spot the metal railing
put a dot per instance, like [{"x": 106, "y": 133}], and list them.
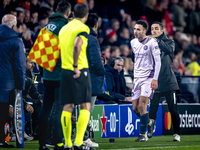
[{"x": 189, "y": 86}]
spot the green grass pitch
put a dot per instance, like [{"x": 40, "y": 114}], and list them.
[{"x": 188, "y": 142}]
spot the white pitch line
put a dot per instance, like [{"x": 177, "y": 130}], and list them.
[{"x": 156, "y": 147}]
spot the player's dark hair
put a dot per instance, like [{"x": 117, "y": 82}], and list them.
[
  {"x": 63, "y": 7},
  {"x": 142, "y": 23},
  {"x": 80, "y": 10},
  {"x": 92, "y": 20},
  {"x": 159, "y": 23}
]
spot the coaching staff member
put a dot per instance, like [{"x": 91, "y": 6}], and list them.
[
  {"x": 12, "y": 69},
  {"x": 167, "y": 83},
  {"x": 75, "y": 80}
]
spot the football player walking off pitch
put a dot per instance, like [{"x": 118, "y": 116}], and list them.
[{"x": 146, "y": 70}]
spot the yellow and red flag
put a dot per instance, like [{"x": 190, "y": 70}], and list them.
[{"x": 45, "y": 51}]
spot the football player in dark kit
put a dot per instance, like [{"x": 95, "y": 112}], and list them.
[{"x": 167, "y": 83}]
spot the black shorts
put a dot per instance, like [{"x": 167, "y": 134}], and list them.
[{"x": 75, "y": 91}]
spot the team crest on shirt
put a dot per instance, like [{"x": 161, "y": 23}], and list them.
[{"x": 145, "y": 47}]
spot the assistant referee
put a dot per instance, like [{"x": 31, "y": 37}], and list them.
[{"x": 75, "y": 80}]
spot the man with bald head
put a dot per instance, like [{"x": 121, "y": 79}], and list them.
[{"x": 12, "y": 69}]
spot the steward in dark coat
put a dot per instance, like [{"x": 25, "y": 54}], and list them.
[
  {"x": 12, "y": 62},
  {"x": 96, "y": 67},
  {"x": 12, "y": 70}
]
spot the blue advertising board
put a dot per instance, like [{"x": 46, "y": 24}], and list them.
[
  {"x": 130, "y": 123},
  {"x": 110, "y": 121},
  {"x": 120, "y": 121}
]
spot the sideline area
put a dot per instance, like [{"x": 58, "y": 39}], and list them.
[{"x": 156, "y": 142}]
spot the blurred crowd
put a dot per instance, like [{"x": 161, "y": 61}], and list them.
[{"x": 180, "y": 18}]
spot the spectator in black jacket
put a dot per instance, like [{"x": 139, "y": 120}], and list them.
[
  {"x": 115, "y": 79},
  {"x": 32, "y": 102},
  {"x": 31, "y": 90},
  {"x": 96, "y": 67},
  {"x": 167, "y": 83}
]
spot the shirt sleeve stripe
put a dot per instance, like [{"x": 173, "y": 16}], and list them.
[{"x": 85, "y": 34}]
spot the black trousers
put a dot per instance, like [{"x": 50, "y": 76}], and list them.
[
  {"x": 172, "y": 106},
  {"x": 4, "y": 110},
  {"x": 56, "y": 126},
  {"x": 32, "y": 120},
  {"x": 51, "y": 96}
]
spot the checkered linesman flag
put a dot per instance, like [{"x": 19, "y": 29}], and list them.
[{"x": 45, "y": 51}]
